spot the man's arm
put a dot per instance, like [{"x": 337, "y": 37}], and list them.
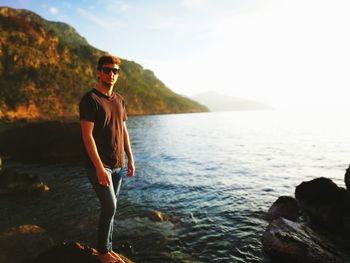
[
  {"x": 90, "y": 146},
  {"x": 128, "y": 151}
]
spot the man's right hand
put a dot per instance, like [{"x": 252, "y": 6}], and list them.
[
  {"x": 87, "y": 128},
  {"x": 102, "y": 177}
]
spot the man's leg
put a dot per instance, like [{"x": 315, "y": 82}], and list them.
[
  {"x": 107, "y": 198},
  {"x": 117, "y": 182},
  {"x": 117, "y": 176}
]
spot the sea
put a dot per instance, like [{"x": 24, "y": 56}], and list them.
[{"x": 212, "y": 175}]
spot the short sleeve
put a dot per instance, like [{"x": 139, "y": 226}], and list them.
[{"x": 87, "y": 108}]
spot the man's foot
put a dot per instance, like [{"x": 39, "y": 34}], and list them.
[
  {"x": 117, "y": 257},
  {"x": 106, "y": 258}
]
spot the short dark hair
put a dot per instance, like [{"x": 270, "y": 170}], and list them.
[{"x": 107, "y": 59}]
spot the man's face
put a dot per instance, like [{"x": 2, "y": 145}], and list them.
[{"x": 108, "y": 74}]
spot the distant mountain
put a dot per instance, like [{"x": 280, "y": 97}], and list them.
[
  {"x": 45, "y": 67},
  {"x": 217, "y": 102}
]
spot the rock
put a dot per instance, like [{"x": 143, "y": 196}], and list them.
[
  {"x": 284, "y": 206},
  {"x": 347, "y": 178},
  {"x": 346, "y": 222},
  {"x": 287, "y": 241},
  {"x": 157, "y": 216},
  {"x": 24, "y": 242},
  {"x": 319, "y": 190},
  {"x": 71, "y": 252},
  {"x": 12, "y": 182},
  {"x": 322, "y": 201}
]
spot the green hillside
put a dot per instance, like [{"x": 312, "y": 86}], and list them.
[{"x": 45, "y": 67}]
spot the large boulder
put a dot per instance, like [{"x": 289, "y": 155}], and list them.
[
  {"x": 319, "y": 190},
  {"x": 346, "y": 216},
  {"x": 287, "y": 241},
  {"x": 322, "y": 201},
  {"x": 347, "y": 178},
  {"x": 12, "y": 182},
  {"x": 22, "y": 243},
  {"x": 284, "y": 206},
  {"x": 71, "y": 252}
]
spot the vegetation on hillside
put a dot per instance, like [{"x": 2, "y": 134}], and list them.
[{"x": 45, "y": 67}]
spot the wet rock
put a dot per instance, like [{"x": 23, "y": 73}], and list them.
[
  {"x": 157, "y": 216},
  {"x": 322, "y": 201},
  {"x": 24, "y": 242},
  {"x": 284, "y": 206},
  {"x": 346, "y": 212},
  {"x": 287, "y": 241},
  {"x": 347, "y": 178},
  {"x": 346, "y": 222},
  {"x": 319, "y": 190},
  {"x": 71, "y": 252},
  {"x": 12, "y": 182}
]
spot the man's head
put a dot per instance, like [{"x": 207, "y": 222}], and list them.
[
  {"x": 107, "y": 59},
  {"x": 108, "y": 70}
]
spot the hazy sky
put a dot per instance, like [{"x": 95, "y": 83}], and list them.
[{"x": 285, "y": 53}]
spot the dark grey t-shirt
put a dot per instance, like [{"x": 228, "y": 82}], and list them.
[{"x": 108, "y": 115}]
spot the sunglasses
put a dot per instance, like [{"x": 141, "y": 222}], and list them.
[{"x": 106, "y": 70}]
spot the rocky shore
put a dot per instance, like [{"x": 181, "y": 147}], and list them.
[
  {"x": 42, "y": 141},
  {"x": 32, "y": 244},
  {"x": 313, "y": 226}
]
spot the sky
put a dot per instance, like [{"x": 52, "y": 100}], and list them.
[{"x": 288, "y": 54}]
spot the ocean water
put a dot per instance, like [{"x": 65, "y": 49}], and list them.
[{"x": 214, "y": 174}]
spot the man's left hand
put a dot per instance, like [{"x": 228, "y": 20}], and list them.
[{"x": 131, "y": 169}]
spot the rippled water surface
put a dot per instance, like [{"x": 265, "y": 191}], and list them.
[{"x": 214, "y": 174}]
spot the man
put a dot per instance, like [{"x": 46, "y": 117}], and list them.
[{"x": 106, "y": 139}]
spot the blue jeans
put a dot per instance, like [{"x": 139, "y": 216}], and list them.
[{"x": 108, "y": 199}]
